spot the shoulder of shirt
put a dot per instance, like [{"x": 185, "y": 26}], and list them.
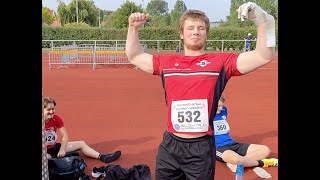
[
  {"x": 57, "y": 117},
  {"x": 220, "y": 53},
  {"x": 224, "y": 108},
  {"x": 168, "y": 56}
]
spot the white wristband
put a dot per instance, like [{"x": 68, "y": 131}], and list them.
[{"x": 270, "y": 31}]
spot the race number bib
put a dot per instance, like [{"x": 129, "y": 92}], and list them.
[
  {"x": 190, "y": 115},
  {"x": 221, "y": 127},
  {"x": 51, "y": 137}
]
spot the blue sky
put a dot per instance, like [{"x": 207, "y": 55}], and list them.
[{"x": 215, "y": 9}]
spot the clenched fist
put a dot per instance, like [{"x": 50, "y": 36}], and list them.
[
  {"x": 252, "y": 11},
  {"x": 137, "y": 19}
]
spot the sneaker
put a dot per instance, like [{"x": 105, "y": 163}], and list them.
[
  {"x": 107, "y": 158},
  {"x": 96, "y": 172},
  {"x": 270, "y": 162},
  {"x": 261, "y": 172}
]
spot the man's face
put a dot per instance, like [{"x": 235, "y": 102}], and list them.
[
  {"x": 220, "y": 106},
  {"x": 194, "y": 34},
  {"x": 48, "y": 112}
]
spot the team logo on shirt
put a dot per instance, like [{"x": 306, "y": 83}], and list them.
[{"x": 203, "y": 63}]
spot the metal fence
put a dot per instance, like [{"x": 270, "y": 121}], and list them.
[
  {"x": 64, "y": 53},
  {"x": 101, "y": 52}
]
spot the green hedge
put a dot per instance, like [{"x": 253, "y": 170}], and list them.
[{"x": 218, "y": 33}]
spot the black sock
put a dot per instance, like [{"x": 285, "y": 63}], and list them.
[
  {"x": 107, "y": 158},
  {"x": 261, "y": 163}
]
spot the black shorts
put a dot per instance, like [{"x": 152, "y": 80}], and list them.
[
  {"x": 240, "y": 148},
  {"x": 54, "y": 150},
  {"x": 180, "y": 158}
]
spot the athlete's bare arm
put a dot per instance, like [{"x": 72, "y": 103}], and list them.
[
  {"x": 134, "y": 51},
  {"x": 265, "y": 47}
]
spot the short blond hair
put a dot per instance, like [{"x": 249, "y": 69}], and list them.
[{"x": 48, "y": 100}]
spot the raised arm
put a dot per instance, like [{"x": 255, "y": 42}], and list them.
[
  {"x": 134, "y": 51},
  {"x": 265, "y": 46}
]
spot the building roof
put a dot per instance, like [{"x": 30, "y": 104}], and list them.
[{"x": 52, "y": 12}]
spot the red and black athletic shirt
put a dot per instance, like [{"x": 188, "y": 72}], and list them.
[
  {"x": 192, "y": 86},
  {"x": 51, "y": 127}
]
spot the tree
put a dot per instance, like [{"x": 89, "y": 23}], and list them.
[
  {"x": 46, "y": 17},
  {"x": 165, "y": 20},
  {"x": 119, "y": 18},
  {"x": 270, "y": 6},
  {"x": 63, "y": 13},
  {"x": 157, "y": 7},
  {"x": 179, "y": 8},
  {"x": 87, "y": 12},
  {"x": 74, "y": 24},
  {"x": 159, "y": 21},
  {"x": 105, "y": 14},
  {"x": 276, "y": 11}
]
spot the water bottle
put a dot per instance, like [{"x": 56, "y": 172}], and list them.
[{"x": 239, "y": 172}]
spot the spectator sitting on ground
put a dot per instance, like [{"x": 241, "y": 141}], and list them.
[
  {"x": 54, "y": 123},
  {"x": 232, "y": 152}
]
